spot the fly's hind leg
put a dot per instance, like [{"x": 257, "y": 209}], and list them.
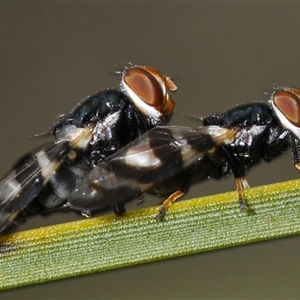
[
  {"x": 167, "y": 203},
  {"x": 185, "y": 185}
]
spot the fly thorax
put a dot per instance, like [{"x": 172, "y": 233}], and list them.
[
  {"x": 103, "y": 130},
  {"x": 245, "y": 139}
]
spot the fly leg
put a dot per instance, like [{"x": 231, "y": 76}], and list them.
[
  {"x": 119, "y": 208},
  {"x": 177, "y": 194},
  {"x": 87, "y": 214},
  {"x": 167, "y": 203},
  {"x": 295, "y": 152},
  {"x": 241, "y": 184},
  {"x": 239, "y": 172}
]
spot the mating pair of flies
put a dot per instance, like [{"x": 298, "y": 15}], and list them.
[{"x": 115, "y": 146}]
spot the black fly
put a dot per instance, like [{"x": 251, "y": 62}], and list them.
[
  {"x": 97, "y": 127},
  {"x": 265, "y": 131},
  {"x": 167, "y": 160}
]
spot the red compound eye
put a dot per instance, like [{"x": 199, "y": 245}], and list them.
[
  {"x": 288, "y": 103},
  {"x": 148, "y": 85},
  {"x": 145, "y": 86}
]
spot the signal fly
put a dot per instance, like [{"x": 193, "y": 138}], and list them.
[{"x": 96, "y": 128}]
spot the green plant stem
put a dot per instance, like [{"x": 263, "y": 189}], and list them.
[{"x": 108, "y": 242}]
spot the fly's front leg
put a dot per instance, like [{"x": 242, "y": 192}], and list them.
[{"x": 239, "y": 172}]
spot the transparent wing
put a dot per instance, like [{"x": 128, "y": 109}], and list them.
[
  {"x": 145, "y": 165},
  {"x": 25, "y": 181}
]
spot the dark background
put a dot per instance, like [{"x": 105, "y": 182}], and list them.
[{"x": 219, "y": 54}]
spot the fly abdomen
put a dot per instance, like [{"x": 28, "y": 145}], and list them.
[
  {"x": 24, "y": 183},
  {"x": 101, "y": 188}
]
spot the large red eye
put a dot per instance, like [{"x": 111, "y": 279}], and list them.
[
  {"x": 289, "y": 104},
  {"x": 145, "y": 86}
]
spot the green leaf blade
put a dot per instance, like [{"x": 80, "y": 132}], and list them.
[{"x": 109, "y": 242}]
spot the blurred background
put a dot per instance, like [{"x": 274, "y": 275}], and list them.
[{"x": 218, "y": 54}]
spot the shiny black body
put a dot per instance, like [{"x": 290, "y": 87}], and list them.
[{"x": 260, "y": 136}]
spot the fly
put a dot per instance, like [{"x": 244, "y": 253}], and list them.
[
  {"x": 97, "y": 127},
  {"x": 269, "y": 130}
]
